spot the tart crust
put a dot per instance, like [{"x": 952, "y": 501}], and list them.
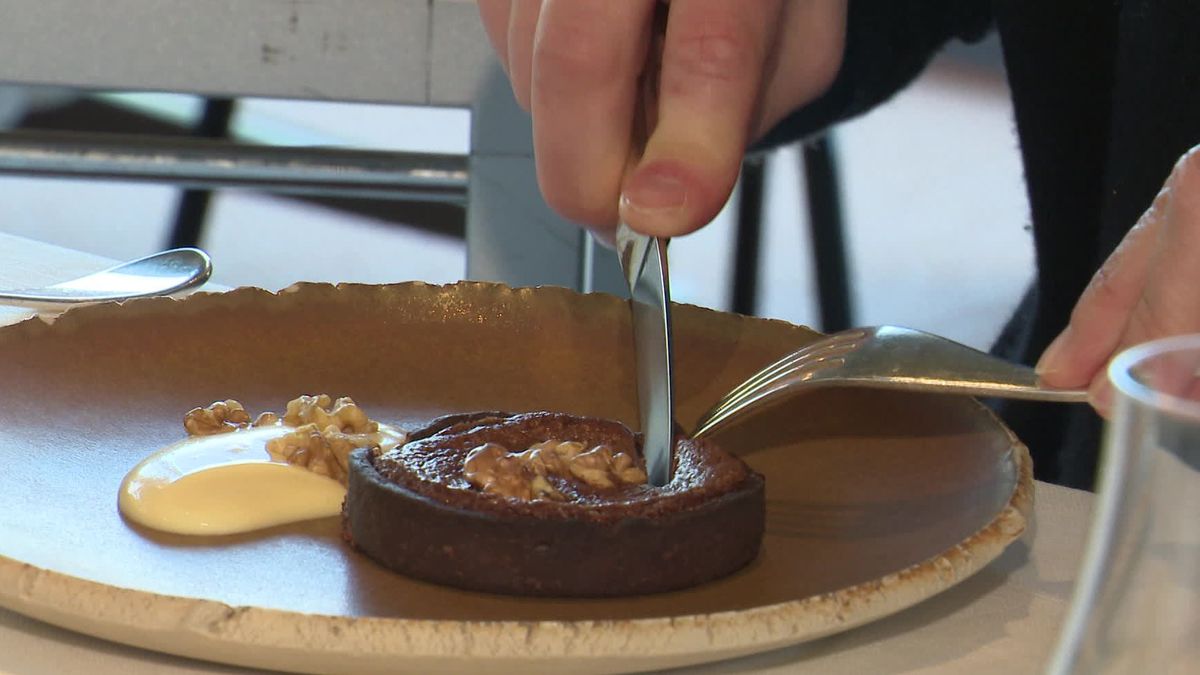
[{"x": 411, "y": 511}]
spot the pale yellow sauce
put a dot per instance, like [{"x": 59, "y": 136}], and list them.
[{"x": 228, "y": 483}]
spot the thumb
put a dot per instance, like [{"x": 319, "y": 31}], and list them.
[
  {"x": 713, "y": 56},
  {"x": 1146, "y": 289}
]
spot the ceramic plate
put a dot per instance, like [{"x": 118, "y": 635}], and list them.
[{"x": 876, "y": 500}]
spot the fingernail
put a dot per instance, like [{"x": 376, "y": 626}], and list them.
[
  {"x": 606, "y": 238},
  {"x": 1049, "y": 363},
  {"x": 654, "y": 190}
]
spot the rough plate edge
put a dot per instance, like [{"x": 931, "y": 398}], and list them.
[{"x": 200, "y": 298}]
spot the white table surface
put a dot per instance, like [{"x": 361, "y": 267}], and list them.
[{"x": 1003, "y": 620}]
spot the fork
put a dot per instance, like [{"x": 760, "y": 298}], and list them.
[{"x": 883, "y": 357}]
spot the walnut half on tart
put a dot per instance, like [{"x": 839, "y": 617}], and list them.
[{"x": 551, "y": 504}]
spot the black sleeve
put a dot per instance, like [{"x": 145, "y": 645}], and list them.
[{"x": 888, "y": 43}]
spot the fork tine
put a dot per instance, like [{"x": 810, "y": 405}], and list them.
[
  {"x": 720, "y": 418},
  {"x": 756, "y": 380},
  {"x": 770, "y": 378},
  {"x": 789, "y": 361},
  {"x": 796, "y": 362},
  {"x": 776, "y": 378},
  {"x": 802, "y": 371}
]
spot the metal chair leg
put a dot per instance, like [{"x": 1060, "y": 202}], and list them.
[
  {"x": 825, "y": 228},
  {"x": 748, "y": 236},
  {"x": 192, "y": 210}
]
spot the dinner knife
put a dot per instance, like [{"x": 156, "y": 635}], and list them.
[{"x": 644, "y": 261}]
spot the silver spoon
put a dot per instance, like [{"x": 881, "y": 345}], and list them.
[{"x": 159, "y": 274}]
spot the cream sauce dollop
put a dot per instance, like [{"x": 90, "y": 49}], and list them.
[{"x": 228, "y": 483}]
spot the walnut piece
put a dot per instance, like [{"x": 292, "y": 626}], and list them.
[
  {"x": 218, "y": 418},
  {"x": 493, "y": 469},
  {"x": 324, "y": 412},
  {"x": 324, "y": 431},
  {"x": 323, "y": 451}
]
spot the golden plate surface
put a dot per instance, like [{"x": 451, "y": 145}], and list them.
[{"x": 876, "y": 500}]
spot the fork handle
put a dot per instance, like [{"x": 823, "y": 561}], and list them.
[
  {"x": 982, "y": 388},
  {"x": 717, "y": 419}
]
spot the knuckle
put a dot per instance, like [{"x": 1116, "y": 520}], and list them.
[
  {"x": 1190, "y": 161},
  {"x": 1158, "y": 208},
  {"x": 1185, "y": 176},
  {"x": 1104, "y": 290},
  {"x": 1149, "y": 320},
  {"x": 715, "y": 52},
  {"x": 573, "y": 56}
]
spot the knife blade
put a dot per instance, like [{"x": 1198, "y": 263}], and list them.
[{"x": 644, "y": 261}]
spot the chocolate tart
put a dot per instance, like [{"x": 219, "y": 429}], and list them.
[{"x": 413, "y": 511}]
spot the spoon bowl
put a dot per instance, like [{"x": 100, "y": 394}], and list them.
[{"x": 163, "y": 273}]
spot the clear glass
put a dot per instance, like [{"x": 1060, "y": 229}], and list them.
[{"x": 1137, "y": 602}]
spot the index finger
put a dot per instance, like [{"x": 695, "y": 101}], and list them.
[{"x": 586, "y": 60}]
